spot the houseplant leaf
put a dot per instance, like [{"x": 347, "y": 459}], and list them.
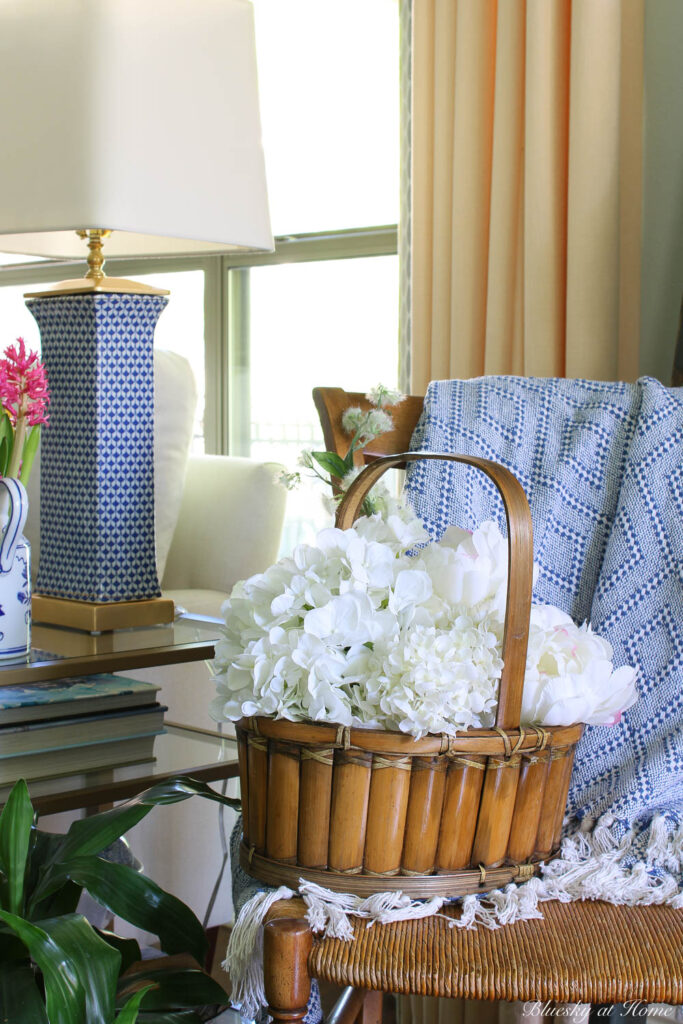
[
  {"x": 63, "y": 901},
  {"x": 129, "y": 1012},
  {"x": 64, "y": 994},
  {"x": 142, "y": 902},
  {"x": 11, "y": 946},
  {"x": 20, "y": 999},
  {"x": 15, "y": 836},
  {"x": 128, "y": 948},
  {"x": 43, "y": 849},
  {"x": 95, "y": 962},
  {"x": 174, "y": 988},
  {"x": 90, "y": 835}
]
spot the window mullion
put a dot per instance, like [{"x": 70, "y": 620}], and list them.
[
  {"x": 238, "y": 419},
  {"x": 215, "y": 361}
]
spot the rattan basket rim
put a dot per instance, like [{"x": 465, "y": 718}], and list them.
[{"x": 487, "y": 742}]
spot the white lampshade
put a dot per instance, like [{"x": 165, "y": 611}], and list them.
[{"x": 140, "y": 116}]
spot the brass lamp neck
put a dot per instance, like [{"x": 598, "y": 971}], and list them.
[
  {"x": 95, "y": 237},
  {"x": 95, "y": 280}
]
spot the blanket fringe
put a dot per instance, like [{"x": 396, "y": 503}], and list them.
[
  {"x": 599, "y": 866},
  {"x": 329, "y": 911}
]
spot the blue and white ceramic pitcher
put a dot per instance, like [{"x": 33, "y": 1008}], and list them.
[{"x": 15, "y": 571}]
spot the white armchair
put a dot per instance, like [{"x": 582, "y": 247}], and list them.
[{"x": 228, "y": 528}]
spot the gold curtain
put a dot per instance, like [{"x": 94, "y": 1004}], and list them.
[{"x": 526, "y": 188}]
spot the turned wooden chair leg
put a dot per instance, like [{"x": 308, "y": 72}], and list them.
[{"x": 287, "y": 943}]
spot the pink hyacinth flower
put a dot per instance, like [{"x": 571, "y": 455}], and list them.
[{"x": 23, "y": 385}]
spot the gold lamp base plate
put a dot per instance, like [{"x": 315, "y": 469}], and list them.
[
  {"x": 100, "y": 617},
  {"x": 102, "y": 285}
]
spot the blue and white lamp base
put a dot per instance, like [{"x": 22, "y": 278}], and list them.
[{"x": 97, "y": 461}]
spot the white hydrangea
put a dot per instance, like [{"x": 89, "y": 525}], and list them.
[{"x": 356, "y": 631}]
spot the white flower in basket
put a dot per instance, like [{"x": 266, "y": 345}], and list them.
[{"x": 356, "y": 630}]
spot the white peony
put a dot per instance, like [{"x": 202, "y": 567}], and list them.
[{"x": 570, "y": 676}]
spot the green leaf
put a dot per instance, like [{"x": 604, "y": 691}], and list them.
[
  {"x": 95, "y": 962},
  {"x": 42, "y": 848},
  {"x": 29, "y": 453},
  {"x": 129, "y": 1013},
  {"x": 20, "y": 998},
  {"x": 332, "y": 463},
  {"x": 139, "y": 900},
  {"x": 11, "y": 946},
  {"x": 63, "y": 901},
  {"x": 64, "y": 995},
  {"x": 15, "y": 835},
  {"x": 174, "y": 988},
  {"x": 91, "y": 835},
  {"x": 128, "y": 948},
  {"x": 6, "y": 442}
]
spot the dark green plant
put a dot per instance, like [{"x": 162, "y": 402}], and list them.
[{"x": 55, "y": 968}]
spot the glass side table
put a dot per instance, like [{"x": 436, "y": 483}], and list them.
[{"x": 180, "y": 750}]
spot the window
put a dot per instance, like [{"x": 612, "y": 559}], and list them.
[
  {"x": 180, "y": 327},
  {"x": 323, "y": 310},
  {"x": 332, "y": 322},
  {"x": 260, "y": 332}
]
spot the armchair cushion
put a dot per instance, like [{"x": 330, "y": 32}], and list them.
[
  {"x": 175, "y": 400},
  {"x": 229, "y": 523}
]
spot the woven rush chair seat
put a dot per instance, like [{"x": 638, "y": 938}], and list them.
[{"x": 590, "y": 952}]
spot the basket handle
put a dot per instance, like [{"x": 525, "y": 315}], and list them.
[{"x": 520, "y": 563}]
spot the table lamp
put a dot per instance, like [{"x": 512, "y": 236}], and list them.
[{"x": 133, "y": 125}]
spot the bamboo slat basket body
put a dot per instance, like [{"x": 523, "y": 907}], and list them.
[{"x": 352, "y": 809}]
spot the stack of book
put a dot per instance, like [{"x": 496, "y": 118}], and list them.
[{"x": 69, "y": 726}]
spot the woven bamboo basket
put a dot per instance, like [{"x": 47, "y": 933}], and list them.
[{"x": 352, "y": 809}]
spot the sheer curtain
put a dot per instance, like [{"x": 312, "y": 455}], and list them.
[{"x": 526, "y": 187}]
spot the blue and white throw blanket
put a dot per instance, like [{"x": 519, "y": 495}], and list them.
[{"x": 602, "y": 467}]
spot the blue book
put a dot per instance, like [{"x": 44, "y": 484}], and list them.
[
  {"x": 78, "y": 731},
  {"x": 80, "y": 695}
]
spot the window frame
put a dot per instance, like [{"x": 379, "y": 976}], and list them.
[{"x": 226, "y": 310}]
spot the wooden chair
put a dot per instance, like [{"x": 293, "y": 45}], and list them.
[{"x": 591, "y": 952}]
